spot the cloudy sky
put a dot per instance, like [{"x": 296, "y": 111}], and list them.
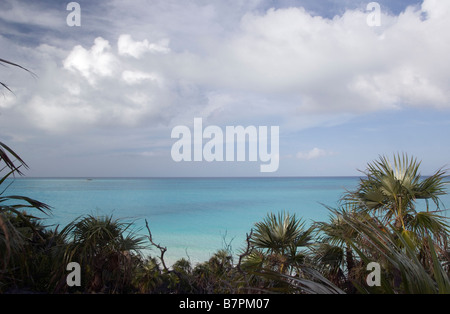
[{"x": 107, "y": 94}]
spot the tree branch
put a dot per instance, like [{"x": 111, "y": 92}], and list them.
[{"x": 160, "y": 248}]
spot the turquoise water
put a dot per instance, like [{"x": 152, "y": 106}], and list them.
[{"x": 192, "y": 217}]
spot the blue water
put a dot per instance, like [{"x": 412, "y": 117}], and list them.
[{"x": 192, "y": 217}]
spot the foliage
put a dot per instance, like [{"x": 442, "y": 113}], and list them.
[
  {"x": 407, "y": 273},
  {"x": 278, "y": 239},
  {"x": 19, "y": 231},
  {"x": 105, "y": 250}
]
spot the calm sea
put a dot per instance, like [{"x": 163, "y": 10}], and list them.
[{"x": 192, "y": 217}]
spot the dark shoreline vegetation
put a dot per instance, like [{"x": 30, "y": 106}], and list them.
[{"x": 377, "y": 222}]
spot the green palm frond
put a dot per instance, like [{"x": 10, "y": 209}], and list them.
[
  {"x": 278, "y": 233},
  {"x": 327, "y": 255},
  {"x": 311, "y": 282},
  {"x": 391, "y": 189},
  {"x": 336, "y": 231},
  {"x": 404, "y": 272},
  {"x": 430, "y": 224},
  {"x": 91, "y": 236}
]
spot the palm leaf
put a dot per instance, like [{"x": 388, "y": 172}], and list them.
[
  {"x": 400, "y": 253},
  {"x": 3, "y": 61},
  {"x": 4, "y": 150},
  {"x": 312, "y": 282}
]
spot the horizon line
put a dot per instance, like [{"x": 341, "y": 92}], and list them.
[{"x": 184, "y": 177}]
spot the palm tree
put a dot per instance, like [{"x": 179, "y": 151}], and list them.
[
  {"x": 402, "y": 270},
  {"x": 148, "y": 277},
  {"x": 102, "y": 247},
  {"x": 392, "y": 191},
  {"x": 12, "y": 214},
  {"x": 279, "y": 237},
  {"x": 333, "y": 252}
]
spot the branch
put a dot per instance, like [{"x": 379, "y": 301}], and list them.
[
  {"x": 245, "y": 254},
  {"x": 162, "y": 249}
]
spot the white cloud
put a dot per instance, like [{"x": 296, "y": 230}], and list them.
[
  {"x": 8, "y": 101},
  {"x": 325, "y": 66},
  {"x": 128, "y": 47},
  {"x": 93, "y": 64},
  {"x": 312, "y": 154},
  {"x": 60, "y": 114},
  {"x": 282, "y": 65},
  {"x": 89, "y": 88},
  {"x": 436, "y": 9},
  {"x": 138, "y": 77}
]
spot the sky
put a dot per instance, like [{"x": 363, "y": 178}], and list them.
[{"x": 106, "y": 95}]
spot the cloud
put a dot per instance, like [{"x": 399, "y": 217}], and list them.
[
  {"x": 138, "y": 77},
  {"x": 282, "y": 65},
  {"x": 312, "y": 154},
  {"x": 341, "y": 65},
  {"x": 85, "y": 88},
  {"x": 94, "y": 63},
  {"x": 128, "y": 47}
]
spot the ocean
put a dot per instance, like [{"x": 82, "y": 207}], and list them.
[{"x": 192, "y": 217}]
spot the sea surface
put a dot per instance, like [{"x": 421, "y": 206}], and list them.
[{"x": 192, "y": 217}]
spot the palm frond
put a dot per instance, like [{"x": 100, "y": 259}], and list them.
[
  {"x": 397, "y": 251},
  {"x": 278, "y": 233},
  {"x": 3, "y": 62},
  {"x": 311, "y": 282},
  {"x": 4, "y": 151}
]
